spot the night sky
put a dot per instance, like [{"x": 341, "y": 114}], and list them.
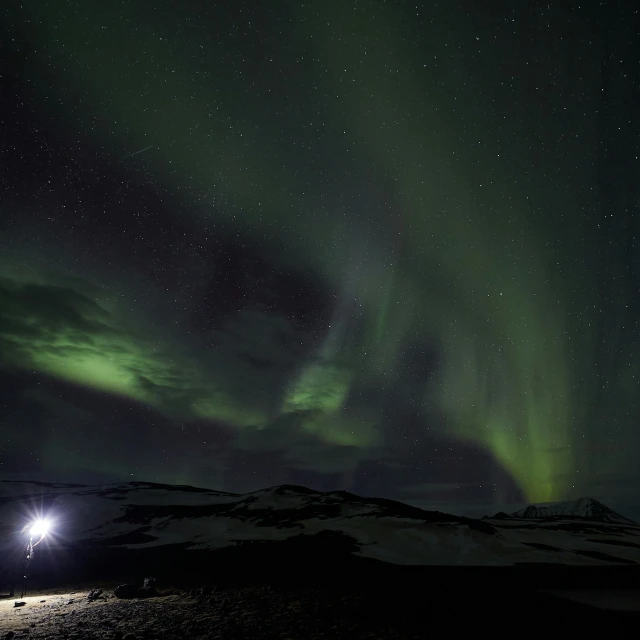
[{"x": 387, "y": 247}]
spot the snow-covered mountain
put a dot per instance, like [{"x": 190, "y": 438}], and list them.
[
  {"x": 145, "y": 516},
  {"x": 582, "y": 508}
]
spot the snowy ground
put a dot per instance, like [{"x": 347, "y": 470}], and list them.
[{"x": 144, "y": 516}]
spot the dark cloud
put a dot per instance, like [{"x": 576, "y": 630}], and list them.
[{"x": 41, "y": 314}]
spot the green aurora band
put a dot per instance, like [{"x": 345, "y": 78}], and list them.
[{"x": 466, "y": 266}]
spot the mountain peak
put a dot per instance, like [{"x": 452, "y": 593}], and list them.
[{"x": 585, "y": 507}]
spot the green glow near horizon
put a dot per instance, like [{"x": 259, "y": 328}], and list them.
[{"x": 521, "y": 422}]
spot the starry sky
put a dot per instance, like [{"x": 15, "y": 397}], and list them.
[{"x": 381, "y": 246}]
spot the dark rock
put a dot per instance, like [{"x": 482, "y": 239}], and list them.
[
  {"x": 148, "y": 588},
  {"x": 94, "y": 594},
  {"x": 9, "y": 635},
  {"x": 133, "y": 591},
  {"x": 149, "y": 583},
  {"x": 200, "y": 592},
  {"x": 19, "y": 603},
  {"x": 126, "y": 591}
]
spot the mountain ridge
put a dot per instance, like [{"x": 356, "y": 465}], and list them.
[
  {"x": 139, "y": 517},
  {"x": 585, "y": 507}
]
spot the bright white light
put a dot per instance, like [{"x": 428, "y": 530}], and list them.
[{"x": 39, "y": 529}]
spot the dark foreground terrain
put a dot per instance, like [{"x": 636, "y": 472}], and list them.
[
  {"x": 369, "y": 601},
  {"x": 264, "y": 611}
]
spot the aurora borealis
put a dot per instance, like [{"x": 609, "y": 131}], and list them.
[{"x": 375, "y": 246}]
